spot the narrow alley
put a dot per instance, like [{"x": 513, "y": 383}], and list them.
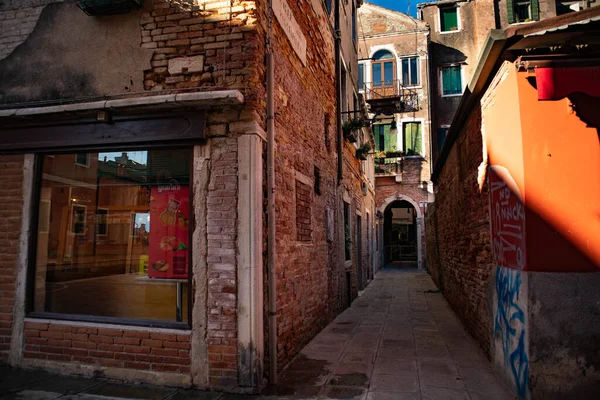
[{"x": 399, "y": 340}]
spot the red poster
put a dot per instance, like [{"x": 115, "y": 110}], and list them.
[
  {"x": 168, "y": 239},
  {"x": 508, "y": 219}
]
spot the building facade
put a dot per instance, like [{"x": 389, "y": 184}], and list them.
[
  {"x": 512, "y": 241},
  {"x": 134, "y": 229},
  {"x": 458, "y": 33},
  {"x": 393, "y": 77}
]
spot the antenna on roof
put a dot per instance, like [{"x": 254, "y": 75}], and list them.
[{"x": 408, "y": 8}]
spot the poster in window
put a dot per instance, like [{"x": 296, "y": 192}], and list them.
[{"x": 168, "y": 255}]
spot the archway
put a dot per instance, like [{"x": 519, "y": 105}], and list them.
[{"x": 400, "y": 232}]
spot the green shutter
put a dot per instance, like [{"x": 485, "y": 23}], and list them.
[
  {"x": 376, "y": 134},
  {"x": 390, "y": 140},
  {"x": 535, "y": 10},
  {"x": 449, "y": 18},
  {"x": 510, "y": 11},
  {"x": 412, "y": 138}
]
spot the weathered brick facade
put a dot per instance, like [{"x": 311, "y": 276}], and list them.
[
  {"x": 143, "y": 350},
  {"x": 191, "y": 47},
  {"x": 459, "y": 249}
]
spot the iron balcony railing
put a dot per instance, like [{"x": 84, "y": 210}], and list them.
[{"x": 391, "y": 90}]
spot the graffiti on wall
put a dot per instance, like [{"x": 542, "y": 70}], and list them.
[
  {"x": 509, "y": 326},
  {"x": 508, "y": 219}
]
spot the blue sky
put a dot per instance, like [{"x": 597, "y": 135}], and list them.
[{"x": 399, "y": 5}]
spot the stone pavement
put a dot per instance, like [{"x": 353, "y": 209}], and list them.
[{"x": 400, "y": 340}]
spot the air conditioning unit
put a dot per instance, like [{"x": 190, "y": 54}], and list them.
[{"x": 365, "y": 188}]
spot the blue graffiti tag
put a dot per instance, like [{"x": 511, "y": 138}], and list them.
[{"x": 510, "y": 326}]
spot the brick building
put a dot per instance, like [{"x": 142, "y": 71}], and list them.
[
  {"x": 134, "y": 228},
  {"x": 458, "y": 32},
  {"x": 513, "y": 235},
  {"x": 393, "y": 76}
]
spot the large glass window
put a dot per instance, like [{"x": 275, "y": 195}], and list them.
[
  {"x": 448, "y": 19},
  {"x": 451, "y": 80},
  {"x": 113, "y": 236}
]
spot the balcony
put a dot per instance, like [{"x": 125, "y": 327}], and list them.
[
  {"x": 390, "y": 97},
  {"x": 388, "y": 166}
]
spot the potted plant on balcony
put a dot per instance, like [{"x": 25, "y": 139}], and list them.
[
  {"x": 351, "y": 128},
  {"x": 393, "y": 153},
  {"x": 363, "y": 152}
]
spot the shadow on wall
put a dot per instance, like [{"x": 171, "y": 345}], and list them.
[
  {"x": 449, "y": 55},
  {"x": 542, "y": 323},
  {"x": 59, "y": 59}
]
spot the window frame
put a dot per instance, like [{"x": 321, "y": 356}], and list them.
[
  {"x": 441, "y": 80},
  {"x": 393, "y": 60},
  {"x": 420, "y": 121},
  {"x": 33, "y": 239},
  {"x": 87, "y": 160},
  {"x": 458, "y": 22},
  {"x": 401, "y": 68}
]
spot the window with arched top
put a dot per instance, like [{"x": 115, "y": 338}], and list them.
[{"x": 383, "y": 67}]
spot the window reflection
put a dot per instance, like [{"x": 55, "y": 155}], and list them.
[{"x": 113, "y": 235}]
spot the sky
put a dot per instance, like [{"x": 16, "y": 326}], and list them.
[{"x": 399, "y": 5}]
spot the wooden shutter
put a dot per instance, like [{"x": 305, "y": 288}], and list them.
[
  {"x": 510, "y": 11},
  {"x": 535, "y": 10}
]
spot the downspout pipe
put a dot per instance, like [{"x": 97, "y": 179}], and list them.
[
  {"x": 271, "y": 241},
  {"x": 338, "y": 90}
]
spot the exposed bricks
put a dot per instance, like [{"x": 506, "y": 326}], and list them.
[
  {"x": 108, "y": 347},
  {"x": 11, "y": 169},
  {"x": 216, "y": 31},
  {"x": 458, "y": 235}
]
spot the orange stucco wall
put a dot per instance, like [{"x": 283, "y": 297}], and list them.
[{"x": 554, "y": 159}]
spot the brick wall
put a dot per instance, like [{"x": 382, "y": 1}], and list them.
[
  {"x": 15, "y": 27},
  {"x": 458, "y": 234},
  {"x": 303, "y": 212},
  {"x": 143, "y": 350},
  {"x": 221, "y": 261},
  {"x": 222, "y": 32},
  {"x": 11, "y": 204}
]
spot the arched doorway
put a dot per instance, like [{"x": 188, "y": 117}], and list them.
[{"x": 401, "y": 235}]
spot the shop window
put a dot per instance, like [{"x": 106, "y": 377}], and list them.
[
  {"x": 449, "y": 18},
  {"x": 522, "y": 11},
  {"x": 412, "y": 138},
  {"x": 115, "y": 238},
  {"x": 410, "y": 71},
  {"x": 451, "y": 79}
]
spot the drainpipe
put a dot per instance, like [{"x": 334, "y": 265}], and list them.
[
  {"x": 271, "y": 254},
  {"x": 338, "y": 90}
]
